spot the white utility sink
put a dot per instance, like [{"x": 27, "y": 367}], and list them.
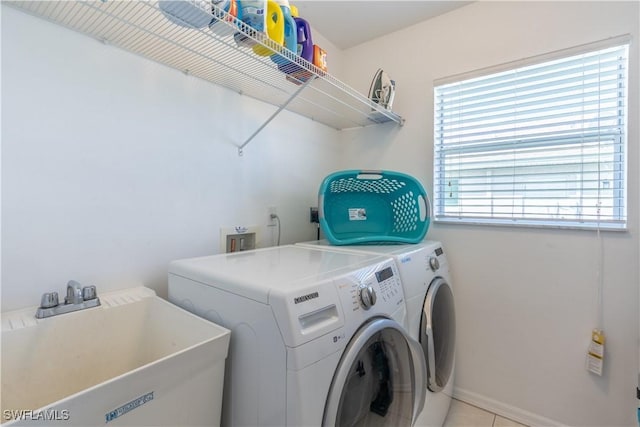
[{"x": 134, "y": 360}]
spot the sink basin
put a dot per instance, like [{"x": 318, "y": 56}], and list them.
[{"x": 135, "y": 360}]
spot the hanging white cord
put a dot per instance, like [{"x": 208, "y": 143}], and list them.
[
  {"x": 595, "y": 354},
  {"x": 599, "y": 274},
  {"x": 600, "y": 278}
]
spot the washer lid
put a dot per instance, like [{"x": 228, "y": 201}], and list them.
[{"x": 258, "y": 273}]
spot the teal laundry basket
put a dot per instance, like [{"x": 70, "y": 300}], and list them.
[{"x": 373, "y": 207}]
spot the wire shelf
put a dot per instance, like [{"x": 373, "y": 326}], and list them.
[{"x": 214, "y": 54}]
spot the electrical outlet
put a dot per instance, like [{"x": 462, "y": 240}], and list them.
[
  {"x": 313, "y": 215},
  {"x": 271, "y": 219}
]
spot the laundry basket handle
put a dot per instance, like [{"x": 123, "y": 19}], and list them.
[
  {"x": 369, "y": 174},
  {"x": 424, "y": 205}
]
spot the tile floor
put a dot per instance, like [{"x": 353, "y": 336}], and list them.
[{"x": 464, "y": 415}]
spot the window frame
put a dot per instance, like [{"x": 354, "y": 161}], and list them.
[{"x": 620, "y": 195}]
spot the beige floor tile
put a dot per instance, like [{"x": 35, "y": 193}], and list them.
[
  {"x": 505, "y": 422},
  {"x": 464, "y": 415}
]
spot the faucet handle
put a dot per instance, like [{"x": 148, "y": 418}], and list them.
[
  {"x": 89, "y": 293},
  {"x": 49, "y": 299}
]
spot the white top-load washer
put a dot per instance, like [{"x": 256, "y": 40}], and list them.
[
  {"x": 424, "y": 271},
  {"x": 317, "y": 337}
]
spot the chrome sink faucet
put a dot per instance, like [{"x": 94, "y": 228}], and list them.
[
  {"x": 74, "y": 293},
  {"x": 78, "y": 298}
]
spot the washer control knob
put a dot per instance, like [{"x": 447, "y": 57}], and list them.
[
  {"x": 434, "y": 264},
  {"x": 367, "y": 296}
]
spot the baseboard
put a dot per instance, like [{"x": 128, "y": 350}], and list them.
[{"x": 504, "y": 410}]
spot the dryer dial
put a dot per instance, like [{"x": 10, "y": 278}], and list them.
[
  {"x": 367, "y": 296},
  {"x": 434, "y": 264}
]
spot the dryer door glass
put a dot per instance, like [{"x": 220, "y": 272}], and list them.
[
  {"x": 438, "y": 334},
  {"x": 374, "y": 383}
]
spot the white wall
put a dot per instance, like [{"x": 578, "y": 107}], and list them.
[
  {"x": 113, "y": 165},
  {"x": 525, "y": 297}
]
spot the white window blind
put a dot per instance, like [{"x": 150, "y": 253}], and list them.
[{"x": 541, "y": 144}]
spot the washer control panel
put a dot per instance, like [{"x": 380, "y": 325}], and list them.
[
  {"x": 376, "y": 287},
  {"x": 388, "y": 281}
]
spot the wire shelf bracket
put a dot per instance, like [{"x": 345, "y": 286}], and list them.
[{"x": 273, "y": 116}]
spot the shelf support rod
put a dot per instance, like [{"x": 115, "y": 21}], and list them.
[{"x": 273, "y": 116}]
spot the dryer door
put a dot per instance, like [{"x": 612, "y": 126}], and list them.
[
  {"x": 438, "y": 333},
  {"x": 379, "y": 380}
]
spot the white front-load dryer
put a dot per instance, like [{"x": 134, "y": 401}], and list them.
[
  {"x": 424, "y": 272},
  {"x": 317, "y": 337}
]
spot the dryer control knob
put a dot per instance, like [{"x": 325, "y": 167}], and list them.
[
  {"x": 434, "y": 264},
  {"x": 367, "y": 296}
]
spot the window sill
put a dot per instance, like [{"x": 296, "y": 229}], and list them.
[{"x": 562, "y": 225}]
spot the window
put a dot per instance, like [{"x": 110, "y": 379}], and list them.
[{"x": 542, "y": 143}]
